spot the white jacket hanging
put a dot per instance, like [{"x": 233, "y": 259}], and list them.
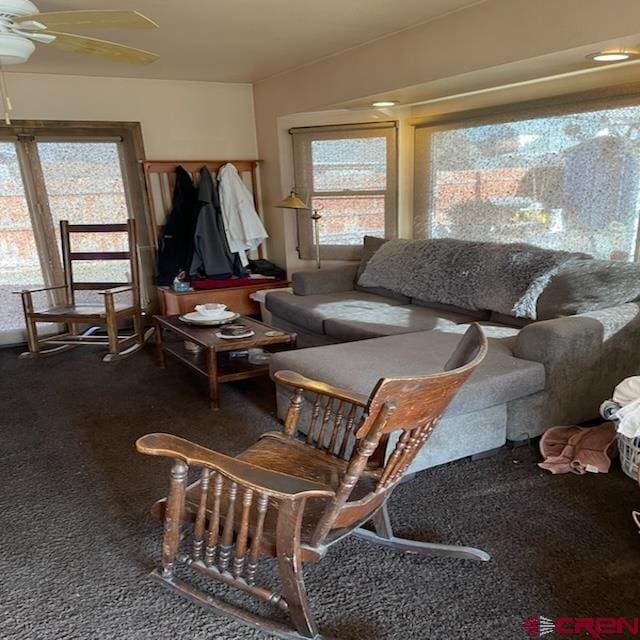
[{"x": 244, "y": 229}]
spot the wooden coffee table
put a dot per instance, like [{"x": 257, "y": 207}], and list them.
[{"x": 213, "y": 360}]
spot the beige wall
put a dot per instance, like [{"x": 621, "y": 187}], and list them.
[
  {"x": 493, "y": 43},
  {"x": 181, "y": 120}
]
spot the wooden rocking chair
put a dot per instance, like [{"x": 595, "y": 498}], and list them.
[
  {"x": 291, "y": 499},
  {"x": 73, "y": 314}
]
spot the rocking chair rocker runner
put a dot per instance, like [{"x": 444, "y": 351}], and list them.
[
  {"x": 72, "y": 314},
  {"x": 291, "y": 498}
]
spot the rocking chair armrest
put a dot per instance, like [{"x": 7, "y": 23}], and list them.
[
  {"x": 272, "y": 483},
  {"x": 298, "y": 381},
  {"x": 115, "y": 290},
  {"x": 19, "y": 293}
]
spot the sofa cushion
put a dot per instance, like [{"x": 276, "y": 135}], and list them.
[
  {"x": 502, "y": 337},
  {"x": 510, "y": 321},
  {"x": 388, "y": 322},
  {"x": 478, "y": 314},
  {"x": 581, "y": 286},
  {"x": 370, "y": 245},
  {"x": 311, "y": 311},
  {"x": 357, "y": 366},
  {"x": 316, "y": 281}
]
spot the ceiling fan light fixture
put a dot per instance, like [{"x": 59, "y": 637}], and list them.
[
  {"x": 15, "y": 49},
  {"x": 611, "y": 56},
  {"x": 17, "y": 8}
]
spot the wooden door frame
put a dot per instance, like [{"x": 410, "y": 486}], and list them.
[{"x": 27, "y": 133}]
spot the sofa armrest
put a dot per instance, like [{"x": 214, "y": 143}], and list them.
[
  {"x": 583, "y": 337},
  {"x": 585, "y": 356},
  {"x": 334, "y": 280}
]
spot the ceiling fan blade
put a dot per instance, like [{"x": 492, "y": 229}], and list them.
[
  {"x": 98, "y": 19},
  {"x": 101, "y": 48}
]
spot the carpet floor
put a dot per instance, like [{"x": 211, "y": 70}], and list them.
[{"x": 77, "y": 543}]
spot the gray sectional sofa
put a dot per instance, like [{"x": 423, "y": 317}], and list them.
[{"x": 580, "y": 335}]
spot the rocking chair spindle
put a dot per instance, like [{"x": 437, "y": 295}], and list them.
[{"x": 291, "y": 498}]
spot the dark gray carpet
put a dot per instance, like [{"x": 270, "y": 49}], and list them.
[{"x": 76, "y": 542}]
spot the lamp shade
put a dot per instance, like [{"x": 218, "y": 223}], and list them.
[{"x": 292, "y": 201}]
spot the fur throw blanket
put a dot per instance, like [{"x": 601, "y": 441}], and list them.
[{"x": 506, "y": 278}]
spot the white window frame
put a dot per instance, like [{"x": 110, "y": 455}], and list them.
[{"x": 302, "y": 139}]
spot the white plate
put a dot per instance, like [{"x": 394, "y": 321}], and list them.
[
  {"x": 196, "y": 318},
  {"x": 244, "y": 336}
]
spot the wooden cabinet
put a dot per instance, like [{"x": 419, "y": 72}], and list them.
[{"x": 236, "y": 298}]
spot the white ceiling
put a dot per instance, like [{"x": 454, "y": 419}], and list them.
[{"x": 238, "y": 40}]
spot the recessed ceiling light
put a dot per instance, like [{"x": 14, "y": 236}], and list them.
[
  {"x": 611, "y": 56},
  {"x": 384, "y": 103}
]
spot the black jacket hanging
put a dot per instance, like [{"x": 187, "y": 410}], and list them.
[
  {"x": 212, "y": 257},
  {"x": 176, "y": 242}
]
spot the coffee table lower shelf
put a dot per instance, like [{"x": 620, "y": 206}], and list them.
[
  {"x": 228, "y": 369},
  {"x": 213, "y": 361}
]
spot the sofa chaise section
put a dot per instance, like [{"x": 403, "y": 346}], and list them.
[{"x": 475, "y": 422}]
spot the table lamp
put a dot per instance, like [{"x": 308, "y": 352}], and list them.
[{"x": 292, "y": 201}]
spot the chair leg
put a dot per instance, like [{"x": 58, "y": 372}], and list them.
[
  {"x": 34, "y": 346},
  {"x": 290, "y": 569},
  {"x": 138, "y": 328},
  {"x": 32, "y": 339},
  {"x": 112, "y": 337},
  {"x": 384, "y": 536}
]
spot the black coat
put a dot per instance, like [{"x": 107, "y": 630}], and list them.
[{"x": 176, "y": 248}]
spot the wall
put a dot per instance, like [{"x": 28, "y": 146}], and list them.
[
  {"x": 500, "y": 41},
  {"x": 180, "y": 120}
]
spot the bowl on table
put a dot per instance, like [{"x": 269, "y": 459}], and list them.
[{"x": 212, "y": 310}]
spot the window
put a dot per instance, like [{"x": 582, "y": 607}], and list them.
[
  {"x": 348, "y": 173},
  {"x": 86, "y": 174},
  {"x": 561, "y": 179}
]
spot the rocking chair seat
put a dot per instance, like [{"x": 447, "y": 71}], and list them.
[
  {"x": 276, "y": 452},
  {"x": 294, "y": 457},
  {"x": 82, "y": 310}
]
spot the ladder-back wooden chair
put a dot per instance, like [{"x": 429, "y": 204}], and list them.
[
  {"x": 291, "y": 498},
  {"x": 75, "y": 316}
]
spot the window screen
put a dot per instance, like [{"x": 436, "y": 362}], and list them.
[{"x": 565, "y": 181}]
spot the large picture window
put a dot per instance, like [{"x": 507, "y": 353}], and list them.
[
  {"x": 348, "y": 173},
  {"x": 562, "y": 180}
]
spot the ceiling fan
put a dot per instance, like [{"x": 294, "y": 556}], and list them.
[{"x": 22, "y": 25}]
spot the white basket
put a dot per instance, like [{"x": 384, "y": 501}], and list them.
[{"x": 629, "y": 449}]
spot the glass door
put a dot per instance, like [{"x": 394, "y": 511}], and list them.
[
  {"x": 20, "y": 266},
  {"x": 84, "y": 185},
  {"x": 43, "y": 181}
]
